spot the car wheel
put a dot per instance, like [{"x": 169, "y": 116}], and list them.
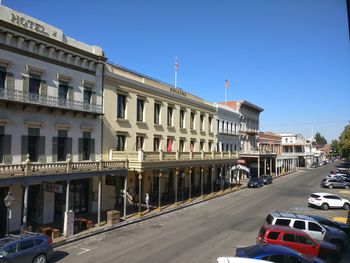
[
  {"x": 330, "y": 186},
  {"x": 325, "y": 206},
  {"x": 338, "y": 244},
  {"x": 40, "y": 259},
  {"x": 346, "y": 206}
]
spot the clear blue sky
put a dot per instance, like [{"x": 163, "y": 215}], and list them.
[{"x": 290, "y": 57}]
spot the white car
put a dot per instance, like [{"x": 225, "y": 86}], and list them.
[
  {"x": 327, "y": 200},
  {"x": 335, "y": 175},
  {"x": 239, "y": 260}
]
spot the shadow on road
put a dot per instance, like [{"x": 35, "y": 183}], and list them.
[{"x": 58, "y": 255}]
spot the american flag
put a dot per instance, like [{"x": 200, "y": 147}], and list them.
[
  {"x": 176, "y": 66},
  {"x": 227, "y": 83}
]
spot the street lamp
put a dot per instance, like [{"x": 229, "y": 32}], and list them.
[{"x": 8, "y": 200}]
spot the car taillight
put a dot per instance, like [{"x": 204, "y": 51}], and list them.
[{"x": 49, "y": 240}]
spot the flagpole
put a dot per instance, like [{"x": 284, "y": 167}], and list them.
[
  {"x": 175, "y": 79},
  {"x": 176, "y": 67},
  {"x": 225, "y": 95}
]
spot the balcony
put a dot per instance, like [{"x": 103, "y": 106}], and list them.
[
  {"x": 41, "y": 169},
  {"x": 142, "y": 159},
  {"x": 228, "y": 132},
  {"x": 48, "y": 101}
]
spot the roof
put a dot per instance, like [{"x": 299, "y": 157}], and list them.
[
  {"x": 284, "y": 229},
  {"x": 291, "y": 216},
  {"x": 236, "y": 105}
]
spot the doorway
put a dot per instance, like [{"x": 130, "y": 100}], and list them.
[{"x": 3, "y": 211}]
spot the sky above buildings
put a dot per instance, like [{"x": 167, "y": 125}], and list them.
[{"x": 289, "y": 57}]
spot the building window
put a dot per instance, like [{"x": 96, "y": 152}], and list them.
[
  {"x": 231, "y": 128},
  {"x": 87, "y": 146},
  {"x": 235, "y": 128},
  {"x": 169, "y": 144},
  {"x": 192, "y": 120},
  {"x": 156, "y": 144},
  {"x": 192, "y": 146},
  {"x": 170, "y": 116},
  {"x": 2, "y": 78},
  {"x": 62, "y": 147},
  {"x": 121, "y": 104},
  {"x": 210, "y": 144},
  {"x": 201, "y": 117},
  {"x": 62, "y": 93},
  {"x": 235, "y": 147},
  {"x": 210, "y": 120},
  {"x": 140, "y": 109},
  {"x": 218, "y": 147},
  {"x": 182, "y": 118},
  {"x": 181, "y": 145},
  {"x": 156, "y": 113},
  {"x": 201, "y": 145},
  {"x": 120, "y": 142},
  {"x": 34, "y": 87},
  {"x": 230, "y": 147},
  {"x": 139, "y": 143},
  {"x": 87, "y": 98},
  {"x": 33, "y": 144}
]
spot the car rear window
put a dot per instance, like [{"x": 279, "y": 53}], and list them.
[
  {"x": 314, "y": 196},
  {"x": 269, "y": 219},
  {"x": 282, "y": 222},
  {"x": 273, "y": 235}
]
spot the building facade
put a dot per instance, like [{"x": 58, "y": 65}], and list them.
[
  {"x": 167, "y": 134},
  {"x": 50, "y": 121}
]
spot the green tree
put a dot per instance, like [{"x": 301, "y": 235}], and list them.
[
  {"x": 335, "y": 148},
  {"x": 320, "y": 140},
  {"x": 344, "y": 142}
]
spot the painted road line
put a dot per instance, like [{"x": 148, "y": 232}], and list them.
[
  {"x": 84, "y": 251},
  {"x": 340, "y": 219}
]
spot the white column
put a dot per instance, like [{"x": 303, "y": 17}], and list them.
[
  {"x": 125, "y": 195},
  {"x": 25, "y": 206}
]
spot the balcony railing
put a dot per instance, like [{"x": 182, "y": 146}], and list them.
[
  {"x": 38, "y": 169},
  {"x": 228, "y": 131},
  {"x": 49, "y": 101},
  {"x": 142, "y": 156}
]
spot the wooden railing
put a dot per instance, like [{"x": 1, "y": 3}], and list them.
[{"x": 28, "y": 168}]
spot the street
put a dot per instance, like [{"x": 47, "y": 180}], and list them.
[{"x": 205, "y": 231}]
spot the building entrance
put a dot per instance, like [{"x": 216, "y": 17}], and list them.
[{"x": 3, "y": 211}]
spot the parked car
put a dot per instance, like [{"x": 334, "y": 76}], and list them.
[
  {"x": 327, "y": 200},
  {"x": 33, "y": 248},
  {"x": 275, "y": 253},
  {"x": 267, "y": 179},
  {"x": 298, "y": 240},
  {"x": 309, "y": 226},
  {"x": 325, "y": 221},
  {"x": 334, "y": 183},
  {"x": 255, "y": 182},
  {"x": 240, "y": 260},
  {"x": 314, "y": 165}
]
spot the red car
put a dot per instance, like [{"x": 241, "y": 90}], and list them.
[{"x": 297, "y": 240}]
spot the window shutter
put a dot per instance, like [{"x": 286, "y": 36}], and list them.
[
  {"x": 26, "y": 85},
  {"x": 69, "y": 146},
  {"x": 9, "y": 80},
  {"x": 80, "y": 149},
  {"x": 93, "y": 98},
  {"x": 42, "y": 156},
  {"x": 70, "y": 93},
  {"x": 7, "y": 149},
  {"x": 43, "y": 91},
  {"x": 54, "y": 149},
  {"x": 24, "y": 148},
  {"x": 92, "y": 147}
]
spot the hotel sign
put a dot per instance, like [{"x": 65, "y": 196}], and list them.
[
  {"x": 178, "y": 91},
  {"x": 53, "y": 188},
  {"x": 28, "y": 24}
]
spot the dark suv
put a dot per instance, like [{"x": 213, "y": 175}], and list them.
[{"x": 33, "y": 248}]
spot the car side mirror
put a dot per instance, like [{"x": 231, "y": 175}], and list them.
[{"x": 322, "y": 231}]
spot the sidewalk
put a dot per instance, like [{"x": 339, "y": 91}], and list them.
[{"x": 145, "y": 215}]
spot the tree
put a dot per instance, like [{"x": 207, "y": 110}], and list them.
[
  {"x": 344, "y": 142},
  {"x": 335, "y": 147},
  {"x": 320, "y": 140}
]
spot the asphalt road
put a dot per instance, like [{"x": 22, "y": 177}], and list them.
[{"x": 203, "y": 232}]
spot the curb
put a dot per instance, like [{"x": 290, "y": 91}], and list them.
[{"x": 147, "y": 217}]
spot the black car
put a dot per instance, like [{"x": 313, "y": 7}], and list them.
[
  {"x": 255, "y": 182},
  {"x": 325, "y": 221},
  {"x": 267, "y": 179},
  {"x": 33, "y": 248}
]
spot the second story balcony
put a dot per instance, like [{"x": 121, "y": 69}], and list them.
[
  {"x": 228, "y": 132},
  {"x": 17, "y": 96}
]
